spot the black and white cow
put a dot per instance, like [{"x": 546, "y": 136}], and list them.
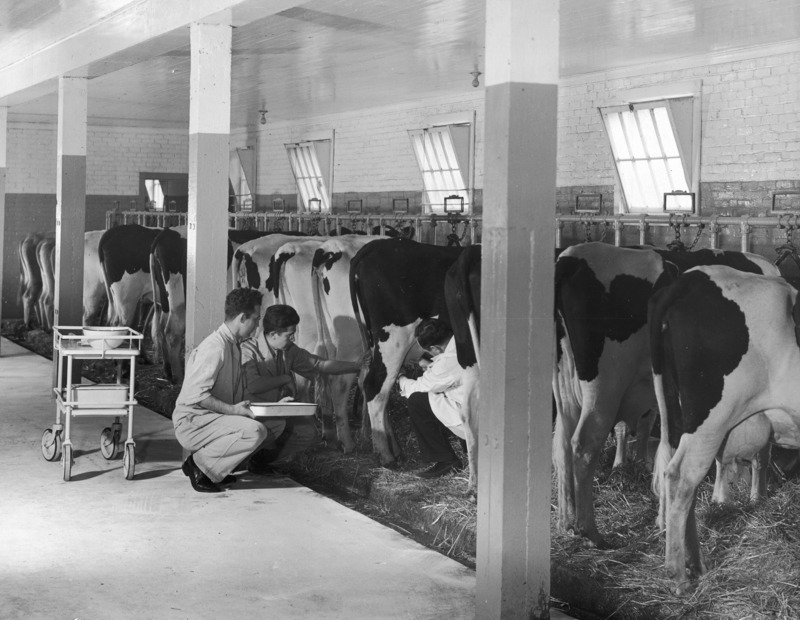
[
  {"x": 291, "y": 275},
  {"x": 45, "y": 259},
  {"x": 30, "y": 279},
  {"x": 394, "y": 284},
  {"x": 124, "y": 253},
  {"x": 168, "y": 280},
  {"x": 338, "y": 327},
  {"x": 462, "y": 289},
  {"x": 602, "y": 374},
  {"x": 725, "y": 349},
  {"x": 168, "y": 269},
  {"x": 94, "y": 288}
]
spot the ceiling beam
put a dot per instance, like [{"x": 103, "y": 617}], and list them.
[{"x": 140, "y": 30}]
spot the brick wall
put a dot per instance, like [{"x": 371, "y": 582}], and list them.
[{"x": 750, "y": 126}]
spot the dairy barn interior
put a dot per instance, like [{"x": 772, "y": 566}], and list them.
[{"x": 522, "y": 125}]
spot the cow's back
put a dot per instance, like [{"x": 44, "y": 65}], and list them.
[{"x": 398, "y": 281}]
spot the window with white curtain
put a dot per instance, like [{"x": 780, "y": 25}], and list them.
[
  {"x": 311, "y": 165},
  {"x": 654, "y": 152},
  {"x": 443, "y": 156}
]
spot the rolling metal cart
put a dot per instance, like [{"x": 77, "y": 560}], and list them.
[{"x": 121, "y": 344}]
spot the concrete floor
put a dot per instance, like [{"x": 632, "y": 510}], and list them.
[{"x": 100, "y": 546}]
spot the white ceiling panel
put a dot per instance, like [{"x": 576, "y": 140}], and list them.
[{"x": 328, "y": 56}]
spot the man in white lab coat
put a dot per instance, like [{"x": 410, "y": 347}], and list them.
[{"x": 434, "y": 400}]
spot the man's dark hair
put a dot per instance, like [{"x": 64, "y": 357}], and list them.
[
  {"x": 241, "y": 300},
  {"x": 432, "y": 332},
  {"x": 279, "y": 318}
]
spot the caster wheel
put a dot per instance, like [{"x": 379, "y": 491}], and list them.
[
  {"x": 128, "y": 462},
  {"x": 66, "y": 462},
  {"x": 109, "y": 442},
  {"x": 51, "y": 445}
]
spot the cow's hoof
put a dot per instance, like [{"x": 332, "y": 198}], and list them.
[{"x": 392, "y": 465}]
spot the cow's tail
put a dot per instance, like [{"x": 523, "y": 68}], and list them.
[
  {"x": 110, "y": 309},
  {"x": 666, "y": 390},
  {"x": 355, "y": 298},
  {"x": 275, "y": 272},
  {"x": 21, "y": 288}
]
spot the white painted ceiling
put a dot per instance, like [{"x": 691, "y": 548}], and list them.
[{"x": 328, "y": 56}]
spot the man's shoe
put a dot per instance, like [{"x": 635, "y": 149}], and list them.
[
  {"x": 228, "y": 480},
  {"x": 200, "y": 482},
  {"x": 437, "y": 470}
]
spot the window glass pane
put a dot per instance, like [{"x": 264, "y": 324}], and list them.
[
  {"x": 648, "y": 188},
  {"x": 677, "y": 178},
  {"x": 630, "y": 185},
  {"x": 631, "y": 128},
  {"x": 665, "y": 132},
  {"x": 649, "y": 137},
  {"x": 615, "y": 132},
  {"x": 660, "y": 177}
]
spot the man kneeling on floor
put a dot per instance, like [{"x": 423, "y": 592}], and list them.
[
  {"x": 271, "y": 361},
  {"x": 212, "y": 419},
  {"x": 434, "y": 400}
]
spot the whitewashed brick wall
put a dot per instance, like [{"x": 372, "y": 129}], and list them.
[
  {"x": 750, "y": 132},
  {"x": 372, "y": 149},
  {"x": 114, "y": 159},
  {"x": 750, "y": 120}
]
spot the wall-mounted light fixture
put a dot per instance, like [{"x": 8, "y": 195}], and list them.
[
  {"x": 475, "y": 75},
  {"x": 314, "y": 205},
  {"x": 263, "y": 114}
]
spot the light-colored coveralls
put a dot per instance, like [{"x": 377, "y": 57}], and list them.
[{"x": 218, "y": 442}]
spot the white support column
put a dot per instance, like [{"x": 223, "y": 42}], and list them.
[
  {"x": 209, "y": 137},
  {"x": 70, "y": 200},
  {"x": 3, "y": 228},
  {"x": 514, "y": 449}
]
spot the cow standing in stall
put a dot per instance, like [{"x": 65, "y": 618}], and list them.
[
  {"x": 290, "y": 274},
  {"x": 168, "y": 271},
  {"x": 602, "y": 374},
  {"x": 394, "y": 284},
  {"x": 124, "y": 253},
  {"x": 94, "y": 288},
  {"x": 725, "y": 352},
  {"x": 45, "y": 259},
  {"x": 462, "y": 289},
  {"x": 337, "y": 325},
  {"x": 30, "y": 280}
]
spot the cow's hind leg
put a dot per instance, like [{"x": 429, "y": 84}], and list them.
[
  {"x": 567, "y": 415},
  {"x": 587, "y": 443},
  {"x": 684, "y": 474}
]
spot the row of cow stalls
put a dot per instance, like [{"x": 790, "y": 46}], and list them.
[
  {"x": 437, "y": 229},
  {"x": 771, "y": 236}
]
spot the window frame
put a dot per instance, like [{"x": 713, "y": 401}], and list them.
[
  {"x": 434, "y": 152},
  {"x": 682, "y": 101},
  {"x": 320, "y": 183}
]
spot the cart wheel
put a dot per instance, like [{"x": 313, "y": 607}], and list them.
[
  {"x": 51, "y": 445},
  {"x": 128, "y": 463},
  {"x": 109, "y": 442},
  {"x": 66, "y": 462}
]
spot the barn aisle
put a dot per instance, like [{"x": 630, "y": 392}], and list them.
[{"x": 101, "y": 546}]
